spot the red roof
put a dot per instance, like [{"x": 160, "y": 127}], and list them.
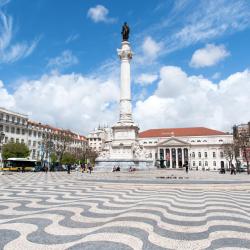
[{"x": 168, "y": 132}]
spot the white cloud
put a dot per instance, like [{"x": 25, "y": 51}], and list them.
[
  {"x": 146, "y": 79},
  {"x": 216, "y": 75},
  {"x": 72, "y": 38},
  {"x": 181, "y": 101},
  {"x": 208, "y": 56},
  {"x": 151, "y": 48},
  {"x": 81, "y": 103},
  {"x": 64, "y": 60},
  {"x": 9, "y": 52},
  {"x": 99, "y": 13},
  {"x": 192, "y": 21},
  {"x": 69, "y": 101},
  {"x": 6, "y": 99}
]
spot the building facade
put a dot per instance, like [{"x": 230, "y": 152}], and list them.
[
  {"x": 200, "y": 147},
  {"x": 16, "y": 127}
]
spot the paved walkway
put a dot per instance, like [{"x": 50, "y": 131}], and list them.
[{"x": 60, "y": 211}]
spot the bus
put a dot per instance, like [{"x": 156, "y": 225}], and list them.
[{"x": 18, "y": 164}]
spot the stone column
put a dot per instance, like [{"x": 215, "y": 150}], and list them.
[
  {"x": 182, "y": 155},
  {"x": 125, "y": 54},
  {"x": 170, "y": 157}
]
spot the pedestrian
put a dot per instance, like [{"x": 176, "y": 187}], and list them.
[
  {"x": 90, "y": 167},
  {"x": 186, "y": 166},
  {"x": 233, "y": 170},
  {"x": 46, "y": 168},
  {"x": 68, "y": 168},
  {"x": 23, "y": 169}
]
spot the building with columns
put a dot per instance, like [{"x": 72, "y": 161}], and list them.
[{"x": 172, "y": 147}]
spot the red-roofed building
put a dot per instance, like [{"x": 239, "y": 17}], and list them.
[{"x": 199, "y": 146}]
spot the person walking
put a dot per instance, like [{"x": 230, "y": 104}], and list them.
[
  {"x": 186, "y": 166},
  {"x": 46, "y": 168},
  {"x": 90, "y": 167},
  {"x": 68, "y": 168},
  {"x": 233, "y": 169}
]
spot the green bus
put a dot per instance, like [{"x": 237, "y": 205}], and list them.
[{"x": 18, "y": 164}]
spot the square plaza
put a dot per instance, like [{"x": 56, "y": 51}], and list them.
[{"x": 149, "y": 210}]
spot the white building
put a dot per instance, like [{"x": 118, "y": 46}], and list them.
[
  {"x": 17, "y": 128},
  {"x": 98, "y": 137},
  {"x": 172, "y": 147},
  {"x": 13, "y": 126}
]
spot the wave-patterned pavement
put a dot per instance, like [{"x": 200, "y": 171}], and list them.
[{"x": 60, "y": 211}]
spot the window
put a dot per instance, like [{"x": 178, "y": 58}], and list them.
[
  {"x": 17, "y": 140},
  {"x": 192, "y": 141},
  {"x": 193, "y": 154},
  {"x": 214, "y": 154},
  {"x": 1, "y": 127},
  {"x": 13, "y": 118},
  {"x": 214, "y": 163},
  {"x": 7, "y": 118},
  {"x": 12, "y": 130},
  {"x": 1, "y": 116},
  {"x": 204, "y": 140},
  {"x": 199, "y": 163},
  {"x": 23, "y": 131},
  {"x": 206, "y": 163},
  {"x": 221, "y": 154},
  {"x": 205, "y": 154},
  {"x": 39, "y": 134},
  {"x": 34, "y": 143},
  {"x": 193, "y": 163},
  {"x": 6, "y": 139},
  {"x": 12, "y": 139},
  {"x": 199, "y": 154},
  {"x": 18, "y": 131},
  {"x": 29, "y": 142},
  {"x": 30, "y": 132},
  {"x": 198, "y": 140},
  {"x": 22, "y": 141},
  {"x": 18, "y": 120},
  {"x": 220, "y": 140},
  {"x": 34, "y": 133}
]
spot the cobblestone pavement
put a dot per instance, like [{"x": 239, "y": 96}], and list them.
[{"x": 60, "y": 211}]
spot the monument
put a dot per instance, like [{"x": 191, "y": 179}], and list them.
[{"x": 123, "y": 148}]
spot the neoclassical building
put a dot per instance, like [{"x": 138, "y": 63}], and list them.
[{"x": 199, "y": 146}]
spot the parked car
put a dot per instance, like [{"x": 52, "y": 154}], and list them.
[
  {"x": 59, "y": 168},
  {"x": 38, "y": 168},
  {"x": 242, "y": 168}
]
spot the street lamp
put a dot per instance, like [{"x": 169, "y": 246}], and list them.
[{"x": 1, "y": 144}]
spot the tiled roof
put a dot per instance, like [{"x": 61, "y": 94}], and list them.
[{"x": 167, "y": 132}]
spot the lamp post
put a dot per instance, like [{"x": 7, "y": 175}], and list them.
[{"x": 1, "y": 144}]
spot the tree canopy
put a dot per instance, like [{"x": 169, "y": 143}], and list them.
[
  {"x": 17, "y": 150},
  {"x": 68, "y": 158}
]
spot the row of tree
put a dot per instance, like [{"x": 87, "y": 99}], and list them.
[{"x": 59, "y": 148}]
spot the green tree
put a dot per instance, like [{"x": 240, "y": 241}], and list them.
[
  {"x": 53, "y": 157},
  {"x": 68, "y": 158},
  {"x": 18, "y": 150}
]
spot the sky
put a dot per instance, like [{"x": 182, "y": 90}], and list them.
[{"x": 190, "y": 68}]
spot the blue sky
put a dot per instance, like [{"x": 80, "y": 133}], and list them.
[{"x": 200, "y": 45}]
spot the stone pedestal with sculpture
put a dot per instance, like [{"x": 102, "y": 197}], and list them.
[{"x": 124, "y": 149}]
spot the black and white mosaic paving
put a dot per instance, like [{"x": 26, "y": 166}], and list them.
[{"x": 60, "y": 211}]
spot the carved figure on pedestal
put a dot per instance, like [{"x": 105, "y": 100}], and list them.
[{"x": 125, "y": 32}]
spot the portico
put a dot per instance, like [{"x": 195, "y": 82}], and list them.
[{"x": 172, "y": 153}]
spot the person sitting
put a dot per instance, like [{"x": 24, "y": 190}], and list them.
[{"x": 131, "y": 169}]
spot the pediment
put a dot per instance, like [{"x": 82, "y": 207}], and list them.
[{"x": 173, "y": 142}]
